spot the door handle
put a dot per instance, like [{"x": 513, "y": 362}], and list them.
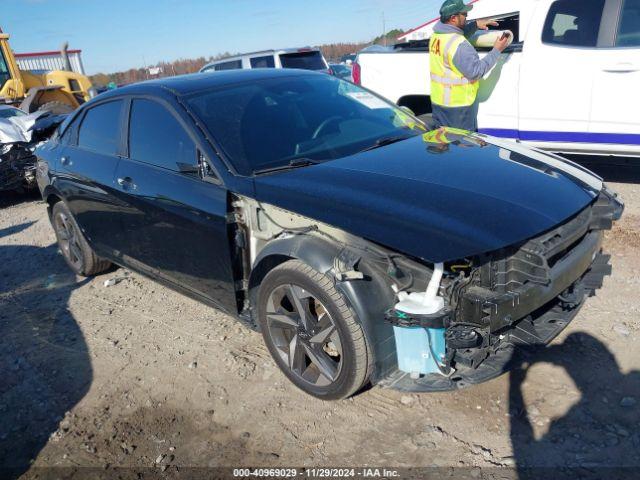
[
  {"x": 622, "y": 67},
  {"x": 65, "y": 161},
  {"x": 126, "y": 183}
]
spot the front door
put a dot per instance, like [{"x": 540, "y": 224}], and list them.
[{"x": 175, "y": 220}]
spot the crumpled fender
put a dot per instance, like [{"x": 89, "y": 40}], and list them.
[{"x": 369, "y": 297}]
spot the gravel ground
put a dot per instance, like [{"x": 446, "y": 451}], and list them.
[{"x": 136, "y": 375}]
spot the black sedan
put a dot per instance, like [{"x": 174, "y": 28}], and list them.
[{"x": 366, "y": 249}]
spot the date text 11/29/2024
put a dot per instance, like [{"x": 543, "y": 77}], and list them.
[{"x": 315, "y": 472}]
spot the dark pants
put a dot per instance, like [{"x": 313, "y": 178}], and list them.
[{"x": 465, "y": 118}]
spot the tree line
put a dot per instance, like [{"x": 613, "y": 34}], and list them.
[{"x": 333, "y": 52}]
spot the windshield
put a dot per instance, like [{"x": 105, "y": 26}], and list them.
[
  {"x": 304, "y": 60},
  {"x": 271, "y": 123},
  {"x": 11, "y": 112}
]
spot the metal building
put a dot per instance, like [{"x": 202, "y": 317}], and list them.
[{"x": 39, "y": 61}]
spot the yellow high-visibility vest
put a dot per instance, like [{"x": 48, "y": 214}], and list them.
[
  {"x": 449, "y": 87},
  {"x": 439, "y": 135}
]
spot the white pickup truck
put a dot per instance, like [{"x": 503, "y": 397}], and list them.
[{"x": 570, "y": 82}]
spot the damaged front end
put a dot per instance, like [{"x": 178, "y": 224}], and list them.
[
  {"x": 17, "y": 167},
  {"x": 495, "y": 303},
  {"x": 435, "y": 326},
  {"x": 19, "y": 137}
]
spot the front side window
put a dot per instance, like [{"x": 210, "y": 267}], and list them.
[
  {"x": 629, "y": 26},
  {"x": 572, "y": 23},
  {"x": 100, "y": 128},
  {"x": 262, "y": 62},
  {"x": 233, "y": 65},
  {"x": 156, "y": 137},
  {"x": 271, "y": 123}
]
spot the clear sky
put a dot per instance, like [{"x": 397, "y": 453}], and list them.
[{"x": 119, "y": 34}]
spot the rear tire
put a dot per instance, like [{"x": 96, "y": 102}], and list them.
[
  {"x": 323, "y": 351},
  {"x": 74, "y": 247}
]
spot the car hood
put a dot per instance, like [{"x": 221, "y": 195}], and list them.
[{"x": 436, "y": 199}]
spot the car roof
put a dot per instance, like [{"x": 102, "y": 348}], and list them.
[
  {"x": 8, "y": 107},
  {"x": 195, "y": 82},
  {"x": 274, "y": 52}
]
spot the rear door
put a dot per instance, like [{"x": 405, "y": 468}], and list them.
[
  {"x": 87, "y": 165},
  {"x": 616, "y": 102},
  {"x": 175, "y": 219}
]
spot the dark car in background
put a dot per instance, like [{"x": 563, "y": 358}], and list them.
[
  {"x": 329, "y": 219},
  {"x": 19, "y": 134}
]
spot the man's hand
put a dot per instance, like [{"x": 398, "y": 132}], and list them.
[
  {"x": 502, "y": 42},
  {"x": 485, "y": 24}
]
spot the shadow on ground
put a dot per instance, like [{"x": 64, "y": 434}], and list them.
[
  {"x": 6, "y": 232},
  {"x": 45, "y": 365},
  {"x": 599, "y": 437}
]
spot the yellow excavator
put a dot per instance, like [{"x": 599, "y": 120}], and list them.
[{"x": 57, "y": 92}]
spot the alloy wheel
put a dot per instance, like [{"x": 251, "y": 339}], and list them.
[
  {"x": 304, "y": 334},
  {"x": 68, "y": 239}
]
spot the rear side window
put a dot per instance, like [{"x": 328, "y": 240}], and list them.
[
  {"x": 156, "y": 137},
  {"x": 100, "y": 129},
  {"x": 233, "y": 65},
  {"x": 262, "y": 62},
  {"x": 629, "y": 26},
  {"x": 573, "y": 23},
  {"x": 304, "y": 60}
]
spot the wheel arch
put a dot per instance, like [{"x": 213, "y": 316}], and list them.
[
  {"x": 369, "y": 297},
  {"x": 316, "y": 253},
  {"x": 51, "y": 196}
]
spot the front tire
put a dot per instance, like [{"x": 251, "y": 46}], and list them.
[
  {"x": 311, "y": 332},
  {"x": 74, "y": 247}
]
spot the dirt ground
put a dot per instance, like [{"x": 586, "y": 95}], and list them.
[{"x": 136, "y": 375}]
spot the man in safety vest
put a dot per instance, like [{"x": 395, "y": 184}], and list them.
[{"x": 456, "y": 67}]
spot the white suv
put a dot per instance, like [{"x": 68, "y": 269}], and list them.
[{"x": 304, "y": 58}]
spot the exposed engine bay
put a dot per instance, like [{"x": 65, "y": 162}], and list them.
[{"x": 454, "y": 323}]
